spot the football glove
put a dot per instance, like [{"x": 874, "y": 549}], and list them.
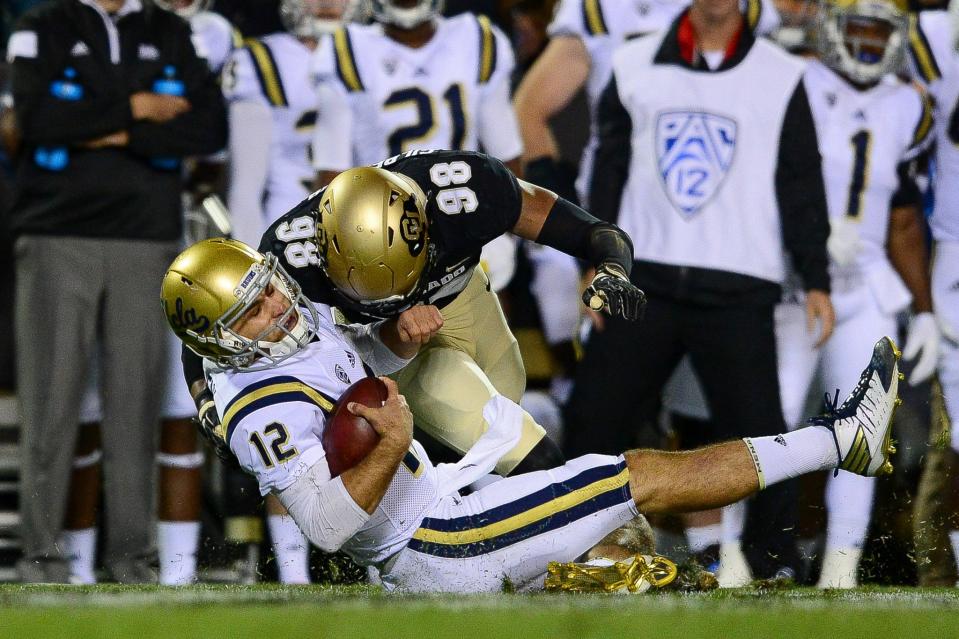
[
  {"x": 923, "y": 336},
  {"x": 611, "y": 291},
  {"x": 208, "y": 423}
]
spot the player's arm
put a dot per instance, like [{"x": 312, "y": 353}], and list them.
[
  {"x": 908, "y": 253},
  {"x": 497, "y": 127},
  {"x": 801, "y": 196},
  {"x": 330, "y": 511},
  {"x": 332, "y": 144},
  {"x": 389, "y": 345},
  {"x": 554, "y": 221},
  {"x": 547, "y": 89}
]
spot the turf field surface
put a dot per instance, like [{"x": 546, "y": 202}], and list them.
[{"x": 265, "y": 612}]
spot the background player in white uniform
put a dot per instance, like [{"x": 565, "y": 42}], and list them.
[
  {"x": 413, "y": 80},
  {"x": 935, "y": 63},
  {"x": 870, "y": 125},
  {"x": 273, "y": 110},
  {"x": 275, "y": 364},
  {"x": 178, "y": 458}
]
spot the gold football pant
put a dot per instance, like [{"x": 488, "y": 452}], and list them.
[{"x": 472, "y": 358}]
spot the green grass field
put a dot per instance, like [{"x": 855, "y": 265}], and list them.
[{"x": 265, "y": 612}]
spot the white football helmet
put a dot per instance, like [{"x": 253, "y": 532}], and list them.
[
  {"x": 406, "y": 14},
  {"x": 185, "y": 8},
  {"x": 862, "y": 39},
  {"x": 312, "y": 18},
  {"x": 797, "y": 28}
]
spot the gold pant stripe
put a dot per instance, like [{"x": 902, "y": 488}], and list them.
[{"x": 524, "y": 519}]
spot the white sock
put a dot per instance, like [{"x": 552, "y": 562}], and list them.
[
  {"x": 177, "y": 542},
  {"x": 291, "y": 550},
  {"x": 80, "y": 548},
  {"x": 699, "y": 538},
  {"x": 848, "y": 506},
  {"x": 954, "y": 539},
  {"x": 733, "y": 522},
  {"x": 789, "y": 455}
]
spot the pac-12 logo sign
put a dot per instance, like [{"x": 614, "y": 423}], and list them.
[{"x": 695, "y": 151}]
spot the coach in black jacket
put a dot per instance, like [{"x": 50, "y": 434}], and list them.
[{"x": 109, "y": 96}]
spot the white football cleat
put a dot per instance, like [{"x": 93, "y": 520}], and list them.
[
  {"x": 734, "y": 571},
  {"x": 862, "y": 425}
]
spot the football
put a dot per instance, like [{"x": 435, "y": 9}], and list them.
[{"x": 348, "y": 438}]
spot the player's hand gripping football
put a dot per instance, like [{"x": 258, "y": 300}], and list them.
[
  {"x": 611, "y": 291},
  {"x": 393, "y": 421},
  {"x": 208, "y": 423}
]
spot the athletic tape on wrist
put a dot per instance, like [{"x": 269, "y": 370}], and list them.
[{"x": 170, "y": 460}]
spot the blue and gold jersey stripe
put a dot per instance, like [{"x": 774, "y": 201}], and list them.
[
  {"x": 921, "y": 52},
  {"x": 487, "y": 49},
  {"x": 276, "y": 390},
  {"x": 552, "y": 507},
  {"x": 236, "y": 38},
  {"x": 754, "y": 10},
  {"x": 267, "y": 72},
  {"x": 346, "y": 60},
  {"x": 924, "y": 126},
  {"x": 593, "y": 18}
]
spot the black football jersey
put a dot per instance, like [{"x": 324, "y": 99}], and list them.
[{"x": 471, "y": 198}]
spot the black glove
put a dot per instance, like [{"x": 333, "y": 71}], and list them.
[
  {"x": 611, "y": 290},
  {"x": 208, "y": 423}
]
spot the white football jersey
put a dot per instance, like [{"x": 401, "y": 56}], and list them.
[
  {"x": 273, "y": 71},
  {"x": 863, "y": 138},
  {"x": 214, "y": 38},
  {"x": 935, "y": 63},
  {"x": 603, "y": 25},
  {"x": 275, "y": 418},
  {"x": 381, "y": 98}
]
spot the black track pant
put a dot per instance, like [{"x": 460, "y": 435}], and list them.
[{"x": 733, "y": 350}]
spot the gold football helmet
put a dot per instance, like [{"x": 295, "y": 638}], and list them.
[
  {"x": 211, "y": 285},
  {"x": 863, "y": 39},
  {"x": 373, "y": 240}
]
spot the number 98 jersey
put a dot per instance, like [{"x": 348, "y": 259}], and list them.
[
  {"x": 471, "y": 198},
  {"x": 382, "y": 98}
]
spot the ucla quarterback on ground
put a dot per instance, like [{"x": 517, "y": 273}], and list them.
[{"x": 276, "y": 363}]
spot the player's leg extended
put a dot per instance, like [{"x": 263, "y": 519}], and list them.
[
  {"x": 853, "y": 436},
  {"x": 849, "y": 497},
  {"x": 503, "y": 535},
  {"x": 447, "y": 387}
]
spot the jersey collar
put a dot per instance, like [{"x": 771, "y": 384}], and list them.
[{"x": 679, "y": 46}]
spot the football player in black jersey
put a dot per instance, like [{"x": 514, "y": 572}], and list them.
[{"x": 403, "y": 239}]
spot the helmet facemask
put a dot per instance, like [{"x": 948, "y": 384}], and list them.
[
  {"x": 258, "y": 353},
  {"x": 864, "y": 41},
  {"x": 312, "y": 18},
  {"x": 422, "y": 11}
]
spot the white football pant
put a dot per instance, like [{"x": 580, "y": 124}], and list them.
[{"x": 505, "y": 534}]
